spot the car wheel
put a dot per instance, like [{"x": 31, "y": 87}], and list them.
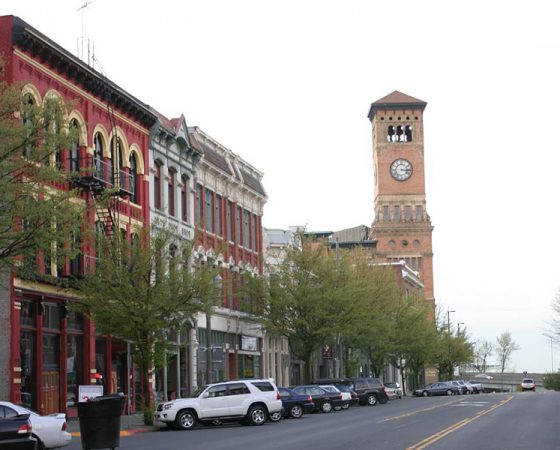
[
  {"x": 185, "y": 420},
  {"x": 296, "y": 411},
  {"x": 425, "y": 393},
  {"x": 40, "y": 445},
  {"x": 449, "y": 392},
  {"x": 371, "y": 400},
  {"x": 326, "y": 407},
  {"x": 346, "y": 406},
  {"x": 276, "y": 416},
  {"x": 533, "y": 389},
  {"x": 257, "y": 415}
]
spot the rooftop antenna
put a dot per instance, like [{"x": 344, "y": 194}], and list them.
[{"x": 83, "y": 40}]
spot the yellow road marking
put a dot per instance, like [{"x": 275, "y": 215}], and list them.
[
  {"x": 441, "y": 434},
  {"x": 402, "y": 416}
]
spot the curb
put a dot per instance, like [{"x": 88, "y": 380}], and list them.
[{"x": 121, "y": 434}]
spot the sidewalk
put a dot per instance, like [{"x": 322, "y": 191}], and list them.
[{"x": 129, "y": 425}]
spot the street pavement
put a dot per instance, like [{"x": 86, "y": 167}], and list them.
[{"x": 517, "y": 421}]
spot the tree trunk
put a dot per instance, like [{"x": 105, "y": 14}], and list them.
[{"x": 401, "y": 370}]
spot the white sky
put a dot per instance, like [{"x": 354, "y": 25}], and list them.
[{"x": 287, "y": 85}]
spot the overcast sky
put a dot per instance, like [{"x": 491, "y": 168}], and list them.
[{"x": 287, "y": 85}]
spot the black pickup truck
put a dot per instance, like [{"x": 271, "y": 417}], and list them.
[{"x": 15, "y": 433}]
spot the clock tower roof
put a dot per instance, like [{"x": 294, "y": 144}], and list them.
[{"x": 395, "y": 99}]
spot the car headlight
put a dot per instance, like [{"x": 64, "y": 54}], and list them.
[{"x": 167, "y": 405}]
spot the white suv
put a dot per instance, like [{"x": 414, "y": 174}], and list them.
[{"x": 245, "y": 401}]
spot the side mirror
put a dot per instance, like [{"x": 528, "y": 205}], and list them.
[{"x": 206, "y": 395}]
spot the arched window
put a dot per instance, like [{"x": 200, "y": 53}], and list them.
[
  {"x": 98, "y": 156},
  {"x": 27, "y": 116},
  {"x": 74, "y": 146},
  {"x": 117, "y": 152},
  {"x": 408, "y": 133},
  {"x": 391, "y": 133},
  {"x": 133, "y": 178},
  {"x": 400, "y": 134}
]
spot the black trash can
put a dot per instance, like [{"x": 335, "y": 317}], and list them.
[{"x": 100, "y": 421}]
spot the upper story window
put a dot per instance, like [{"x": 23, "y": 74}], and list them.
[
  {"x": 397, "y": 216},
  {"x": 171, "y": 192},
  {"x": 254, "y": 232},
  {"x": 219, "y": 215},
  {"x": 184, "y": 198},
  {"x": 399, "y": 133},
  {"x": 385, "y": 213},
  {"x": 418, "y": 213},
  {"x": 246, "y": 233},
  {"x": 157, "y": 185},
  {"x": 208, "y": 210},
  {"x": 230, "y": 214},
  {"x": 74, "y": 147},
  {"x": 27, "y": 120},
  {"x": 408, "y": 213},
  {"x": 238, "y": 235},
  {"x": 199, "y": 207},
  {"x": 134, "y": 178}
]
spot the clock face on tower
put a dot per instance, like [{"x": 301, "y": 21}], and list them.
[{"x": 401, "y": 169}]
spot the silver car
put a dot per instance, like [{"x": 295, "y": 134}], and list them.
[{"x": 393, "y": 390}]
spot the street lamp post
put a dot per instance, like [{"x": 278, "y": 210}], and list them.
[
  {"x": 448, "y": 321},
  {"x": 551, "y": 352}
]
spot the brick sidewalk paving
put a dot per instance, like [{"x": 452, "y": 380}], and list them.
[{"x": 129, "y": 425}]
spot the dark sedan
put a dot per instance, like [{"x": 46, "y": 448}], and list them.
[
  {"x": 443, "y": 388},
  {"x": 324, "y": 401},
  {"x": 15, "y": 433},
  {"x": 294, "y": 404}
]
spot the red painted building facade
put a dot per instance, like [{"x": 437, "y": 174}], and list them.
[{"x": 49, "y": 349}]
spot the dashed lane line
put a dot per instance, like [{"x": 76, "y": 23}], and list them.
[{"x": 441, "y": 434}]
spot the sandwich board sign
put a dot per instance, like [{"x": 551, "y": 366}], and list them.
[{"x": 89, "y": 391}]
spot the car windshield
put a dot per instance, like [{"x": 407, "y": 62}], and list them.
[
  {"x": 199, "y": 390},
  {"x": 330, "y": 389},
  {"x": 527, "y": 380}
]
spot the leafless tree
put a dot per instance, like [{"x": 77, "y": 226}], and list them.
[{"x": 505, "y": 347}]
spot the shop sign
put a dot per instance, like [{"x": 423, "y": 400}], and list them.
[
  {"x": 249, "y": 343},
  {"x": 87, "y": 392}
]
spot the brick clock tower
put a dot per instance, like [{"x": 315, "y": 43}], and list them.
[{"x": 401, "y": 225}]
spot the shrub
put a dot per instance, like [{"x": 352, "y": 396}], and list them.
[{"x": 552, "y": 381}]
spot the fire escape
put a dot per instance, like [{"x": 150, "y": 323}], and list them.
[{"x": 105, "y": 181}]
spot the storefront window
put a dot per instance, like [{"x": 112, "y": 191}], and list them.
[
  {"x": 75, "y": 321},
  {"x": 100, "y": 358},
  {"x": 51, "y": 351},
  {"x": 74, "y": 368},
  {"x": 51, "y": 316},
  {"x": 27, "y": 355},
  {"x": 249, "y": 366},
  {"x": 27, "y": 313}
]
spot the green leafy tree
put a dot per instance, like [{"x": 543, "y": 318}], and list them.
[
  {"x": 35, "y": 216},
  {"x": 450, "y": 351},
  {"x": 144, "y": 288},
  {"x": 308, "y": 298},
  {"x": 372, "y": 331},
  {"x": 414, "y": 336}
]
